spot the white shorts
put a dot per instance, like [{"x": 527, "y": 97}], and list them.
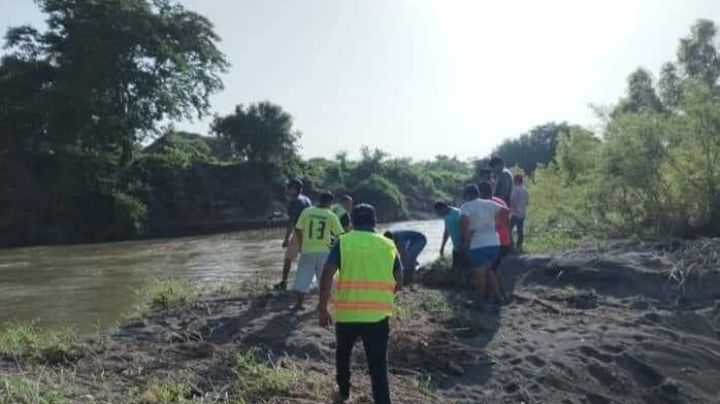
[{"x": 310, "y": 266}]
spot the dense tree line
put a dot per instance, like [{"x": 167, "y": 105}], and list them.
[{"x": 654, "y": 171}]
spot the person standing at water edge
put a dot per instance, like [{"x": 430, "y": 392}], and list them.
[
  {"x": 503, "y": 180},
  {"x": 520, "y": 199},
  {"x": 409, "y": 244},
  {"x": 451, "y": 216},
  {"x": 342, "y": 210},
  {"x": 298, "y": 202},
  {"x": 477, "y": 224},
  {"x": 370, "y": 275},
  {"x": 502, "y": 226},
  {"x": 316, "y": 228}
]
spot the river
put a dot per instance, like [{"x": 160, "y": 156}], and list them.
[{"x": 93, "y": 285}]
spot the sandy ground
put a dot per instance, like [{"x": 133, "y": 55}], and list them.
[{"x": 625, "y": 323}]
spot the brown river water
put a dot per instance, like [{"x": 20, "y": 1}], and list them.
[{"x": 92, "y": 286}]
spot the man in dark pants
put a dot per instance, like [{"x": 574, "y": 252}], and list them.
[
  {"x": 370, "y": 275},
  {"x": 409, "y": 244}
]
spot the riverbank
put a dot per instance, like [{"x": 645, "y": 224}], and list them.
[{"x": 626, "y": 323}]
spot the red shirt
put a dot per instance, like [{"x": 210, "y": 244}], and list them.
[{"x": 502, "y": 226}]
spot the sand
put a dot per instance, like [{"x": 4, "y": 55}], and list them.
[{"x": 625, "y": 323}]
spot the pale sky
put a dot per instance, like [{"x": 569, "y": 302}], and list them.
[{"x": 419, "y": 78}]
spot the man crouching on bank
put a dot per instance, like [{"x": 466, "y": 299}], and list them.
[{"x": 370, "y": 275}]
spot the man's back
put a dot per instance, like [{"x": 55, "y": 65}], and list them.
[
  {"x": 318, "y": 226},
  {"x": 519, "y": 201},
  {"x": 296, "y": 206},
  {"x": 504, "y": 186}
]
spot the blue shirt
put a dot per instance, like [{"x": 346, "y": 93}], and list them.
[
  {"x": 334, "y": 256},
  {"x": 296, "y": 206},
  {"x": 452, "y": 225}
]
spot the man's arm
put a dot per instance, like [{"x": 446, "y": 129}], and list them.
[
  {"x": 299, "y": 235},
  {"x": 465, "y": 230},
  {"x": 288, "y": 231},
  {"x": 326, "y": 284},
  {"x": 398, "y": 273},
  {"x": 446, "y": 235}
]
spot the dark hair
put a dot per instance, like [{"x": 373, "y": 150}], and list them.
[
  {"x": 364, "y": 215},
  {"x": 326, "y": 198},
  {"x": 471, "y": 192},
  {"x": 485, "y": 190},
  {"x": 441, "y": 206},
  {"x": 390, "y": 235},
  {"x": 519, "y": 178},
  {"x": 485, "y": 171},
  {"x": 345, "y": 198},
  {"x": 295, "y": 183},
  {"x": 496, "y": 161}
]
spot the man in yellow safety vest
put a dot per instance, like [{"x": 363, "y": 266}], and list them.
[{"x": 370, "y": 273}]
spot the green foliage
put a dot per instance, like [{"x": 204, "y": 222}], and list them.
[
  {"x": 655, "y": 170},
  {"x": 389, "y": 202},
  {"x": 165, "y": 294},
  {"x": 547, "y": 242},
  {"x": 21, "y": 390},
  {"x": 530, "y": 150},
  {"x": 641, "y": 95},
  {"x": 29, "y": 341},
  {"x": 130, "y": 215},
  {"x": 262, "y": 132},
  {"x": 77, "y": 99},
  {"x": 258, "y": 377}
]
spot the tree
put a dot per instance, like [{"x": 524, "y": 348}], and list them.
[
  {"x": 531, "y": 149},
  {"x": 262, "y": 132},
  {"x": 640, "y": 95},
  {"x": 670, "y": 86},
  {"x": 119, "y": 68},
  {"x": 698, "y": 54},
  {"x": 577, "y": 154}
]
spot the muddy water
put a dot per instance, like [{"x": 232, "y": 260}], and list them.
[{"x": 90, "y": 286}]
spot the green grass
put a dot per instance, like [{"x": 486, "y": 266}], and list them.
[
  {"x": 441, "y": 263},
  {"x": 433, "y": 304},
  {"x": 164, "y": 294},
  {"x": 21, "y": 390},
  {"x": 29, "y": 341},
  {"x": 568, "y": 292},
  {"x": 549, "y": 242},
  {"x": 166, "y": 392},
  {"x": 260, "y": 377}
]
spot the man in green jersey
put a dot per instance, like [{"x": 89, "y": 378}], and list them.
[
  {"x": 316, "y": 228},
  {"x": 342, "y": 210}
]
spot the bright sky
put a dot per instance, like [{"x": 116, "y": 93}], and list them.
[{"x": 419, "y": 78}]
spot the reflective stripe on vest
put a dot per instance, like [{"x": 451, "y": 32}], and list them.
[{"x": 366, "y": 285}]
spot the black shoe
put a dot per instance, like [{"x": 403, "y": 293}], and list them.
[{"x": 280, "y": 286}]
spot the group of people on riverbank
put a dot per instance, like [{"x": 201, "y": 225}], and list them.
[
  {"x": 482, "y": 228},
  {"x": 337, "y": 244}
]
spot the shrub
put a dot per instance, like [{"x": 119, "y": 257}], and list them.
[
  {"x": 29, "y": 341},
  {"x": 389, "y": 202}
]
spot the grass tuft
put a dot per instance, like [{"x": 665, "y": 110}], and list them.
[
  {"x": 21, "y": 390},
  {"x": 549, "y": 242},
  {"x": 433, "y": 305},
  {"x": 165, "y": 294},
  {"x": 29, "y": 341},
  {"x": 260, "y": 377},
  {"x": 569, "y": 292}
]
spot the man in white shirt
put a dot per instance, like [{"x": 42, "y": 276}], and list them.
[{"x": 520, "y": 199}]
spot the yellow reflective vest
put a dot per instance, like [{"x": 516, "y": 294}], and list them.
[{"x": 365, "y": 285}]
